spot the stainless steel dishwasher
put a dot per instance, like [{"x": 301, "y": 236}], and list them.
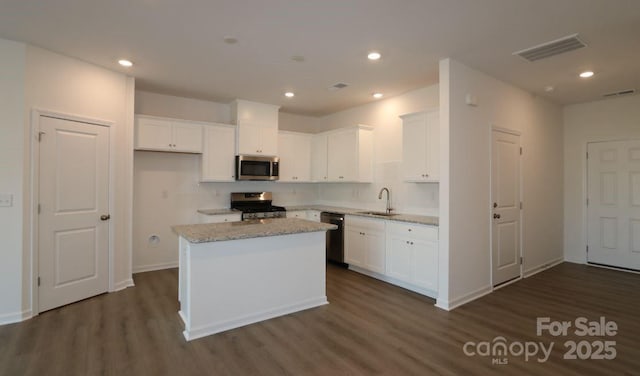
[{"x": 335, "y": 238}]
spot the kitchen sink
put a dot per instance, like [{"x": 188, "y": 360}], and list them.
[{"x": 382, "y": 214}]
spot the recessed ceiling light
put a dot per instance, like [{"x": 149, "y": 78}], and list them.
[
  {"x": 377, "y": 95},
  {"x": 374, "y": 55},
  {"x": 289, "y": 94},
  {"x": 230, "y": 40},
  {"x": 125, "y": 63},
  {"x": 549, "y": 89},
  {"x": 586, "y": 74}
]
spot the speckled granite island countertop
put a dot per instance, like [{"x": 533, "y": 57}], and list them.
[
  {"x": 218, "y": 232},
  {"x": 218, "y": 211}
]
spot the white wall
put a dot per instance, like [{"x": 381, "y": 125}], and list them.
[
  {"x": 167, "y": 188},
  {"x": 299, "y": 123},
  {"x": 33, "y": 78},
  {"x": 466, "y": 225},
  {"x": 383, "y": 115},
  {"x": 605, "y": 120},
  {"x": 70, "y": 86},
  {"x": 12, "y": 166},
  {"x": 181, "y": 108}
]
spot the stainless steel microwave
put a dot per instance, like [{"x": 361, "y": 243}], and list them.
[{"x": 251, "y": 167}]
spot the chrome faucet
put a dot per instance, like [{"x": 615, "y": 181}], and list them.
[{"x": 388, "y": 198}]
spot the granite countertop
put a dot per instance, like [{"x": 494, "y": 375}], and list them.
[
  {"x": 411, "y": 218},
  {"x": 218, "y": 211},
  {"x": 217, "y": 232}
]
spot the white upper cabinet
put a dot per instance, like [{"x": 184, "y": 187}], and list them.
[
  {"x": 162, "y": 134},
  {"x": 257, "y": 127},
  {"x": 319, "y": 158},
  {"x": 295, "y": 157},
  {"x": 350, "y": 155},
  {"x": 420, "y": 146},
  {"x": 218, "y": 155}
]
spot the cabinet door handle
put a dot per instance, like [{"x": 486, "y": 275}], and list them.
[{"x": 496, "y": 216}]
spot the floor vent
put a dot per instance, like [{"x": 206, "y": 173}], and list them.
[
  {"x": 619, "y": 93},
  {"x": 338, "y": 86},
  {"x": 553, "y": 48}
]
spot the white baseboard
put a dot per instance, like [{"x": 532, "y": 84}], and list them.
[
  {"x": 154, "y": 267},
  {"x": 457, "y": 302},
  {"x": 537, "y": 269},
  {"x": 218, "y": 327},
  {"x": 11, "y": 318},
  {"x": 123, "y": 285}
]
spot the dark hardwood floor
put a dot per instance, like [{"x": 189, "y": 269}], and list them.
[{"x": 368, "y": 328}]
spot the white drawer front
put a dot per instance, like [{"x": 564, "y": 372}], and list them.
[
  {"x": 367, "y": 223},
  {"x": 414, "y": 230}
]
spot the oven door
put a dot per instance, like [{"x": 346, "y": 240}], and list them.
[{"x": 256, "y": 168}]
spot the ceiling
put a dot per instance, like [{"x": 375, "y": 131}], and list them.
[{"x": 178, "y": 46}]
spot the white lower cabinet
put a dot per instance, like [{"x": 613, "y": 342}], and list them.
[
  {"x": 412, "y": 254},
  {"x": 404, "y": 254},
  {"x": 219, "y": 218},
  {"x": 313, "y": 215},
  {"x": 297, "y": 214},
  {"x": 365, "y": 243}
]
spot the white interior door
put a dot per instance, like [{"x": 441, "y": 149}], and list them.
[
  {"x": 505, "y": 195},
  {"x": 614, "y": 204},
  {"x": 73, "y": 195}
]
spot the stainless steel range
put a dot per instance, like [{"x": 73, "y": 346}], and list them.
[{"x": 256, "y": 205}]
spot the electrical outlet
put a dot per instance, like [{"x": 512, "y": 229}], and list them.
[{"x": 6, "y": 200}]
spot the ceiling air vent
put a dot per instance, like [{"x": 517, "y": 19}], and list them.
[
  {"x": 338, "y": 86},
  {"x": 553, "y": 48},
  {"x": 619, "y": 93}
]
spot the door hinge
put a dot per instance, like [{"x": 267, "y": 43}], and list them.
[
  {"x": 587, "y": 249},
  {"x": 521, "y": 150},
  {"x": 521, "y": 260},
  {"x": 520, "y": 205},
  {"x": 40, "y": 134},
  {"x": 587, "y": 201},
  {"x": 38, "y": 281},
  {"x": 39, "y": 208},
  {"x": 587, "y": 155}
]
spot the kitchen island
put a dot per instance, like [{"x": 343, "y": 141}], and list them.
[{"x": 237, "y": 273}]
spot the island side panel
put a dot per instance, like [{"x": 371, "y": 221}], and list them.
[
  {"x": 183, "y": 283},
  {"x": 239, "y": 282}
]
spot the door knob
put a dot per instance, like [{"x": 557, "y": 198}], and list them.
[
  {"x": 105, "y": 217},
  {"x": 496, "y": 216}
]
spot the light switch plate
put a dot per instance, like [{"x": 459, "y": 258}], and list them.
[{"x": 6, "y": 200}]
